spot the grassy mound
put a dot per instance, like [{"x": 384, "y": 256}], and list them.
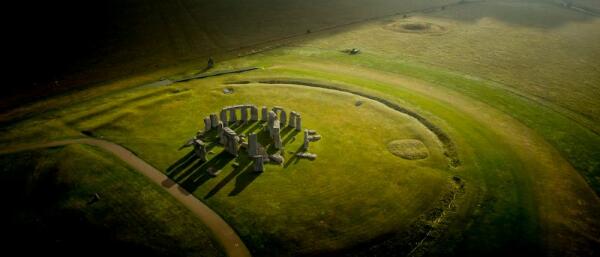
[
  {"x": 54, "y": 208},
  {"x": 410, "y": 149},
  {"x": 420, "y": 27}
]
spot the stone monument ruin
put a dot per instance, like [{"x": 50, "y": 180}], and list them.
[{"x": 274, "y": 120}]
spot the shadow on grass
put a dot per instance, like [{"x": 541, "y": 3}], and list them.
[{"x": 191, "y": 173}]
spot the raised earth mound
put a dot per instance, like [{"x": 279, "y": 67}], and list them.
[
  {"x": 416, "y": 27},
  {"x": 410, "y": 149}
]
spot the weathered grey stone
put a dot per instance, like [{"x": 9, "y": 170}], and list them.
[
  {"x": 264, "y": 113},
  {"x": 207, "y": 125},
  {"x": 277, "y": 137},
  {"x": 305, "y": 155},
  {"x": 298, "y": 123},
  {"x": 244, "y": 110},
  {"x": 200, "y": 149},
  {"x": 259, "y": 165},
  {"x": 314, "y": 138},
  {"x": 292, "y": 122},
  {"x": 253, "y": 113},
  {"x": 271, "y": 122},
  {"x": 213, "y": 120},
  {"x": 282, "y": 115},
  {"x": 232, "y": 115},
  {"x": 220, "y": 133},
  {"x": 232, "y": 141},
  {"x": 312, "y": 132},
  {"x": 306, "y": 140},
  {"x": 252, "y": 144},
  {"x": 223, "y": 116},
  {"x": 276, "y": 158}
]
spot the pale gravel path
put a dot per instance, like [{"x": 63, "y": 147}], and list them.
[{"x": 222, "y": 232}]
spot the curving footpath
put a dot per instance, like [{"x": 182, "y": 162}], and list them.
[{"x": 224, "y": 234}]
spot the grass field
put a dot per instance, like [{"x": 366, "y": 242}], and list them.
[
  {"x": 52, "y": 207},
  {"x": 513, "y": 85}
]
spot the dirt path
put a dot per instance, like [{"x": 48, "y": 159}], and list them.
[
  {"x": 224, "y": 234},
  {"x": 569, "y": 209}
]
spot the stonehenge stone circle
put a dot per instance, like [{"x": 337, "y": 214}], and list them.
[{"x": 277, "y": 118}]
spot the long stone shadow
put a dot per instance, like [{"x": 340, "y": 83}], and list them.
[
  {"x": 244, "y": 163},
  {"x": 197, "y": 176},
  {"x": 243, "y": 180},
  {"x": 181, "y": 164},
  {"x": 290, "y": 137},
  {"x": 294, "y": 158}
]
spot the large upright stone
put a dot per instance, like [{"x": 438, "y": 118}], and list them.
[
  {"x": 282, "y": 115},
  {"x": 213, "y": 120},
  {"x": 271, "y": 122},
  {"x": 244, "y": 111},
  {"x": 232, "y": 115},
  {"x": 253, "y": 113},
  {"x": 292, "y": 122},
  {"x": 200, "y": 149},
  {"x": 306, "y": 140},
  {"x": 264, "y": 113},
  {"x": 231, "y": 144},
  {"x": 223, "y": 116},
  {"x": 220, "y": 133},
  {"x": 252, "y": 144},
  {"x": 283, "y": 118},
  {"x": 207, "y": 125},
  {"x": 298, "y": 123},
  {"x": 277, "y": 136}
]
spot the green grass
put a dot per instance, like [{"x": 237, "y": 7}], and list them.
[
  {"x": 511, "y": 136},
  {"x": 49, "y": 193}
]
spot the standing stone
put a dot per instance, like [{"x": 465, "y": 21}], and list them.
[
  {"x": 265, "y": 114},
  {"x": 223, "y": 116},
  {"x": 292, "y": 122},
  {"x": 253, "y": 113},
  {"x": 277, "y": 136},
  {"x": 231, "y": 144},
  {"x": 283, "y": 118},
  {"x": 213, "y": 120},
  {"x": 298, "y": 123},
  {"x": 271, "y": 122},
  {"x": 306, "y": 141},
  {"x": 207, "y": 125},
  {"x": 232, "y": 115},
  {"x": 244, "y": 111},
  {"x": 252, "y": 144},
  {"x": 259, "y": 165},
  {"x": 200, "y": 149},
  {"x": 220, "y": 127}
]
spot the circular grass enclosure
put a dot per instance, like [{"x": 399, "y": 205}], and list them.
[
  {"x": 351, "y": 193},
  {"x": 410, "y": 149},
  {"x": 418, "y": 27}
]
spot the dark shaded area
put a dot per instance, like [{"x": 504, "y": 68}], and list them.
[{"x": 36, "y": 221}]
